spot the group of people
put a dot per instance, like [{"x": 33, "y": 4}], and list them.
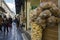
[{"x": 5, "y": 23}]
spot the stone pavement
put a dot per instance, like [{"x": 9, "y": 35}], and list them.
[
  {"x": 14, "y": 34},
  {"x": 26, "y": 34}
]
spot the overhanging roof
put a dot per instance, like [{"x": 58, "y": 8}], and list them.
[{"x": 1, "y": 9}]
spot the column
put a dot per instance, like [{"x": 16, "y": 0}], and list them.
[
  {"x": 28, "y": 11},
  {"x": 59, "y": 23}
]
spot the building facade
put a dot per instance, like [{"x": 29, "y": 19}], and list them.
[
  {"x": 20, "y": 10},
  {"x": 4, "y": 9},
  {"x": 19, "y": 4}
]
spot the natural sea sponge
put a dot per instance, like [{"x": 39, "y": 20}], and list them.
[
  {"x": 58, "y": 20},
  {"x": 58, "y": 14},
  {"x": 33, "y": 15},
  {"x": 41, "y": 22},
  {"x": 51, "y": 21},
  {"x": 33, "y": 12},
  {"x": 45, "y": 14},
  {"x": 54, "y": 11},
  {"x": 39, "y": 10},
  {"x": 47, "y": 5},
  {"x": 44, "y": 5},
  {"x": 36, "y": 32}
]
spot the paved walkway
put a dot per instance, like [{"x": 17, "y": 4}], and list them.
[{"x": 13, "y": 35}]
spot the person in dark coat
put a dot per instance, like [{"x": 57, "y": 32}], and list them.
[
  {"x": 1, "y": 21},
  {"x": 17, "y": 22},
  {"x": 10, "y": 22},
  {"x": 22, "y": 26},
  {"x": 5, "y": 24}
]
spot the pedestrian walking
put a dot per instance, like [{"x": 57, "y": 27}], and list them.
[
  {"x": 1, "y": 21},
  {"x": 10, "y": 22},
  {"x": 5, "y": 22},
  {"x": 22, "y": 26},
  {"x": 17, "y": 22}
]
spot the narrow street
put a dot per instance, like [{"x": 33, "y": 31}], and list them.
[{"x": 14, "y": 34}]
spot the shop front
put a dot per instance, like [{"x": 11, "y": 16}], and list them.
[{"x": 39, "y": 32}]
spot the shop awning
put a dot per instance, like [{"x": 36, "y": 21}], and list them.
[{"x": 1, "y": 9}]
